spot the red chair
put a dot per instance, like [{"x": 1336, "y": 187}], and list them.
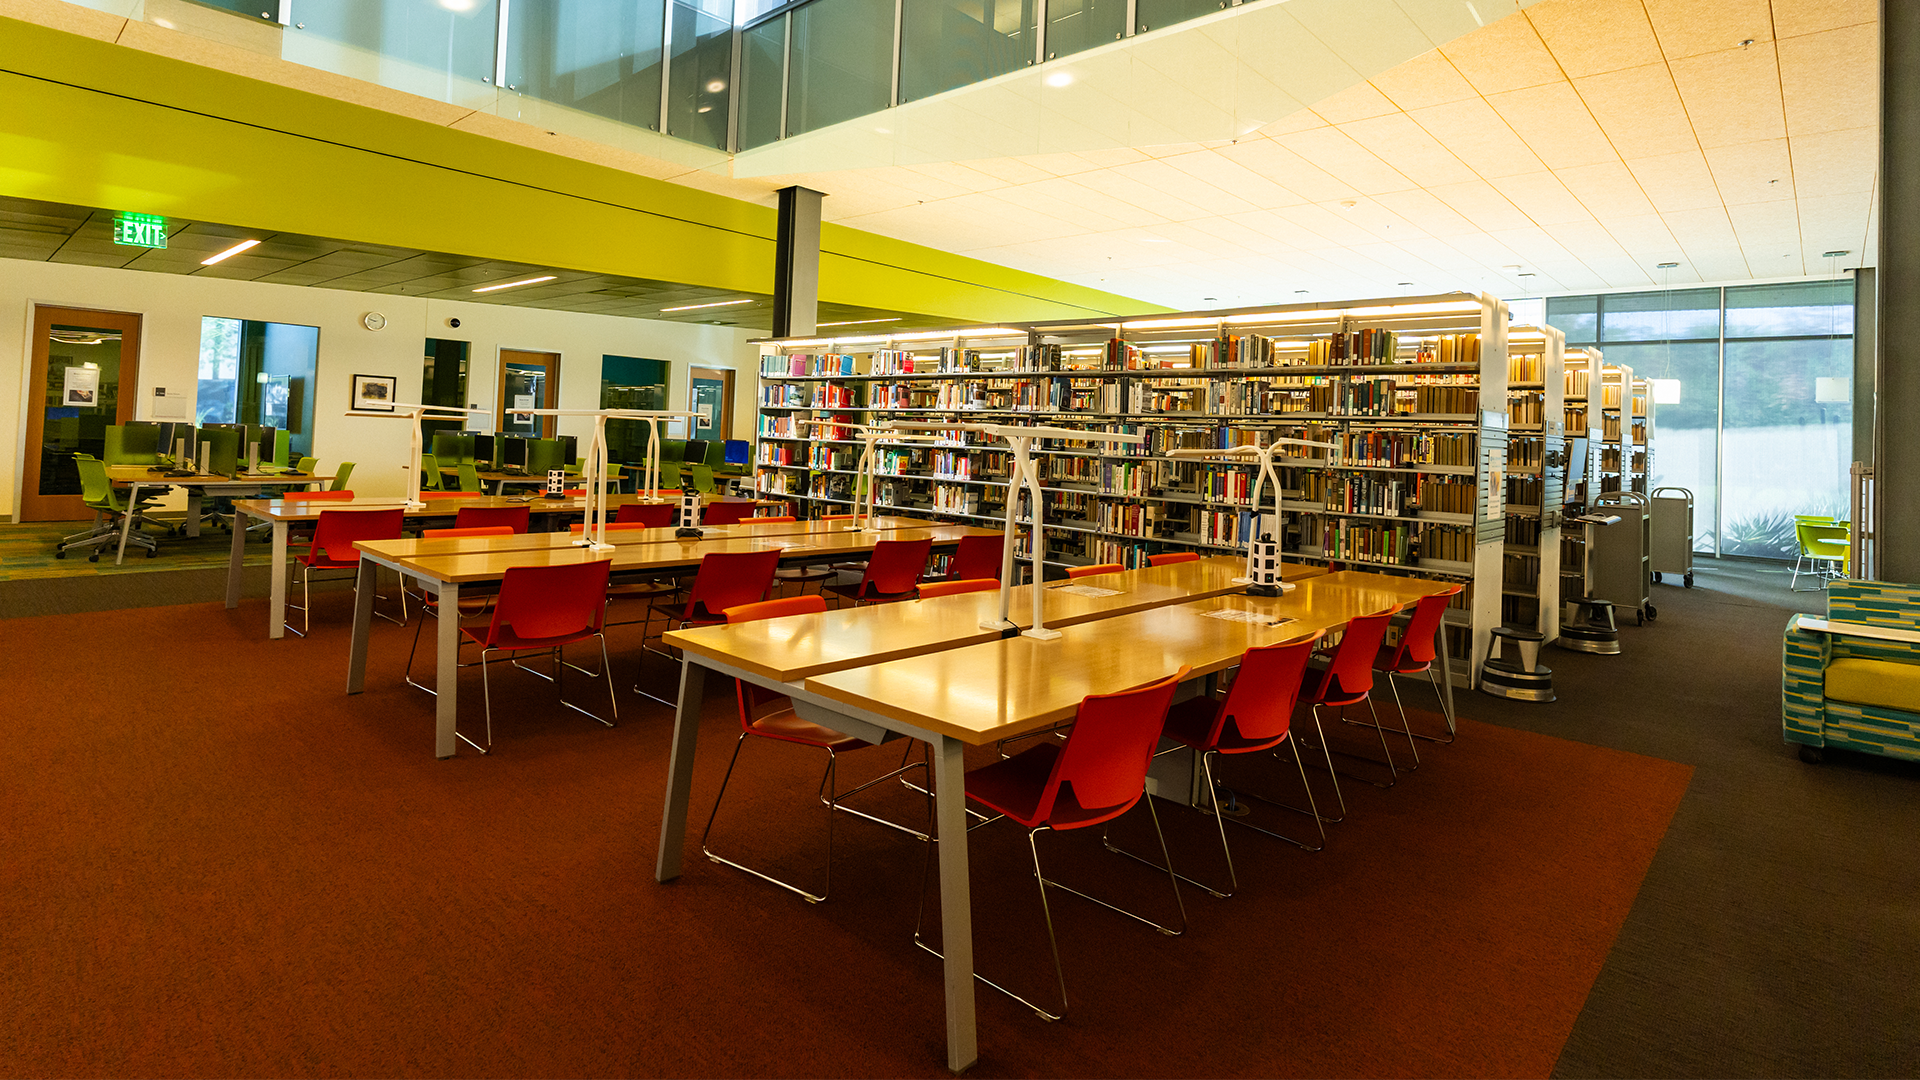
[
  {"x": 1348, "y": 680},
  {"x": 758, "y": 520},
  {"x": 428, "y": 496},
  {"x": 472, "y": 600},
  {"x": 724, "y": 581},
  {"x": 726, "y": 512},
  {"x": 1416, "y": 655},
  {"x": 951, "y": 588},
  {"x": 545, "y": 609},
  {"x": 1170, "y": 558},
  {"x": 976, "y": 557},
  {"x": 473, "y": 517},
  {"x": 470, "y": 530},
  {"x": 314, "y": 496},
  {"x": 893, "y": 572},
  {"x": 614, "y": 526},
  {"x": 1255, "y": 716},
  {"x": 332, "y": 549},
  {"x": 1095, "y": 776},
  {"x": 652, "y": 515},
  {"x": 769, "y": 715},
  {"x": 1096, "y": 568}
]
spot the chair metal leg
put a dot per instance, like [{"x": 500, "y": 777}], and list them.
[
  {"x": 486, "y": 692},
  {"x": 1393, "y": 774},
  {"x": 1405, "y": 726},
  {"x": 811, "y": 898}
]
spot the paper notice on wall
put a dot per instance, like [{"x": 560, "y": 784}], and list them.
[
  {"x": 523, "y": 401},
  {"x": 82, "y": 387},
  {"x": 167, "y": 406}
]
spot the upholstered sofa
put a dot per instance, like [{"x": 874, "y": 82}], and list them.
[{"x": 1852, "y": 679}]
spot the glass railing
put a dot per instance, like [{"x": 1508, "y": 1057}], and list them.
[{"x": 725, "y": 74}]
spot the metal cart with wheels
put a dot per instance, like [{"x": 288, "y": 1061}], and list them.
[
  {"x": 1671, "y": 551},
  {"x": 1618, "y": 565}
]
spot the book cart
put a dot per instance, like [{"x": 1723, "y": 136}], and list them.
[{"x": 1412, "y": 389}]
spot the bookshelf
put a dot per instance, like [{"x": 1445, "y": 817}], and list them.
[
  {"x": 1535, "y": 479},
  {"x": 1413, "y": 390},
  {"x": 1626, "y": 431},
  {"x": 1581, "y": 374}
]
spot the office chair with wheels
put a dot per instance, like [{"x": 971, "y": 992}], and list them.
[{"x": 108, "y": 507}]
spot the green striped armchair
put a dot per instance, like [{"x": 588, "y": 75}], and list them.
[{"x": 1852, "y": 679}]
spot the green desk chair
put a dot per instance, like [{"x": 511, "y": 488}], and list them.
[
  {"x": 469, "y": 478},
  {"x": 1825, "y": 550},
  {"x": 108, "y": 508},
  {"x": 308, "y": 464},
  {"x": 340, "y": 481},
  {"x": 429, "y": 473},
  {"x": 702, "y": 479}
]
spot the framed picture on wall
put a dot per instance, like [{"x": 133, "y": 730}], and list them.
[{"x": 374, "y": 393}]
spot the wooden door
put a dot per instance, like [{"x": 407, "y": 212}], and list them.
[
  {"x": 70, "y": 413},
  {"x": 528, "y": 377},
  {"x": 710, "y": 393}
]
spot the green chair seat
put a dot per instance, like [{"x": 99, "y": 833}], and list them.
[{"x": 1885, "y": 684}]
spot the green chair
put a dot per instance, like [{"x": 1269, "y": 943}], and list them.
[
  {"x": 1825, "y": 549},
  {"x": 429, "y": 473},
  {"x": 469, "y": 478},
  {"x": 340, "y": 480},
  {"x": 108, "y": 508},
  {"x": 131, "y": 444},
  {"x": 702, "y": 479},
  {"x": 308, "y": 464}
]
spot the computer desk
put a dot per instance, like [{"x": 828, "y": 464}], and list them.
[
  {"x": 197, "y": 485},
  {"x": 792, "y": 654},
  {"x": 445, "y": 574}
]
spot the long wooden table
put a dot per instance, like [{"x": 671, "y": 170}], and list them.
[
  {"x": 197, "y": 485},
  {"x": 794, "y": 653},
  {"x": 444, "y": 574}
]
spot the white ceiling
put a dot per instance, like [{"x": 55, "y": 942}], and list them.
[{"x": 1582, "y": 141}]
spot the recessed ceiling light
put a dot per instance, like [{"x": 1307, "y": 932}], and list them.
[
  {"x": 515, "y": 284},
  {"x": 1834, "y": 254},
  {"x": 716, "y": 86},
  {"x": 1297, "y": 292},
  {"x": 1060, "y": 78},
  {"x": 230, "y": 252},
  {"x": 716, "y": 303},
  {"x": 858, "y": 322},
  {"x": 1348, "y": 204},
  {"x": 1667, "y": 265}
]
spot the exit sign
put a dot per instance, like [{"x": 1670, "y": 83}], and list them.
[{"x": 140, "y": 230}]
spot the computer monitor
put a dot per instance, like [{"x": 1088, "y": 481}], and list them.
[
  {"x": 569, "y": 449},
  {"x": 513, "y": 451},
  {"x": 483, "y": 449},
  {"x": 696, "y": 453},
  {"x": 739, "y": 452},
  {"x": 267, "y": 439},
  {"x": 1576, "y": 466},
  {"x": 224, "y": 442}
]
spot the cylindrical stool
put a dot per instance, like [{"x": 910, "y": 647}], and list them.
[
  {"x": 1593, "y": 631},
  {"x": 1522, "y": 679}
]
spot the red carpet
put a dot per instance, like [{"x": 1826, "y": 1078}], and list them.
[{"x": 217, "y": 864}]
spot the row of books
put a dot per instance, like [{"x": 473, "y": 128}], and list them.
[
  {"x": 1128, "y": 518},
  {"x": 1526, "y": 454},
  {"x": 1443, "y": 495},
  {"x": 1527, "y": 407},
  {"x": 1524, "y": 531},
  {"x": 1575, "y": 382},
  {"x": 1131, "y": 556},
  {"x": 1229, "y": 528},
  {"x": 1392, "y": 448},
  {"x": 1524, "y": 490},
  {"x": 1370, "y": 495},
  {"x": 1133, "y": 478},
  {"x": 1520, "y": 572},
  {"x": 1526, "y": 367}
]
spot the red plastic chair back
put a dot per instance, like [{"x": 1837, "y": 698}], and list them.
[
  {"x": 726, "y": 512},
  {"x": 1101, "y": 771},
  {"x": 894, "y": 568},
  {"x": 338, "y": 530},
  {"x": 1349, "y": 676},
  {"x": 544, "y": 606},
  {"x": 757, "y": 520},
  {"x": 837, "y": 517},
  {"x": 977, "y": 557},
  {"x": 651, "y": 515},
  {"x": 774, "y": 609},
  {"x": 475, "y": 530},
  {"x": 949, "y": 588},
  {"x": 1415, "y": 651},
  {"x": 474, "y": 517},
  {"x": 574, "y": 493},
  {"x": 728, "y": 580},
  {"x": 314, "y": 496},
  {"x": 614, "y": 526},
  {"x": 1169, "y": 558},
  {"x": 1259, "y": 707},
  {"x": 425, "y": 495},
  {"x": 1096, "y": 568}
]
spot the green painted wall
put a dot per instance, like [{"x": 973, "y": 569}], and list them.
[{"x": 91, "y": 123}]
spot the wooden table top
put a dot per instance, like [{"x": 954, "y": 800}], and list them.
[
  {"x": 144, "y": 474},
  {"x": 470, "y": 545},
  {"x": 799, "y": 646},
  {"x": 1404, "y": 590},
  {"x": 1011, "y": 686},
  {"x": 491, "y": 565}
]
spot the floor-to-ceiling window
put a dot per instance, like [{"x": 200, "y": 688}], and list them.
[
  {"x": 1752, "y": 384},
  {"x": 259, "y": 373}
]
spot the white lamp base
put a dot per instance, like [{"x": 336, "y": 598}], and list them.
[
  {"x": 1000, "y": 626},
  {"x": 1041, "y": 633}
]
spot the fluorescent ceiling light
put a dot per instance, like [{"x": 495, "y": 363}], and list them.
[
  {"x": 716, "y": 303},
  {"x": 516, "y": 284},
  {"x": 230, "y": 252},
  {"x": 859, "y": 322},
  {"x": 1667, "y": 391},
  {"x": 1060, "y": 78}
]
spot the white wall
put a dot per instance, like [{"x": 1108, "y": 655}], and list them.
[{"x": 172, "y": 306}]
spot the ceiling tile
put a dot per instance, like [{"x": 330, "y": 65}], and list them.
[
  {"x": 1588, "y": 37},
  {"x": 1645, "y": 237},
  {"x": 1542, "y": 197},
  {"x": 1692, "y": 27},
  {"x": 1639, "y": 109},
  {"x": 1409, "y": 149},
  {"x": 1587, "y": 240},
  {"x": 1336, "y": 153},
  {"x": 1506, "y": 55},
  {"x": 1757, "y": 172},
  {"x": 1533, "y": 245},
  {"x": 1480, "y": 203},
  {"x": 1268, "y": 157},
  {"x": 1608, "y": 190},
  {"x": 1733, "y": 96},
  {"x": 1555, "y": 124},
  {"x": 1426, "y": 212},
  {"x": 1184, "y": 186},
  {"x": 1115, "y": 183},
  {"x": 1257, "y": 189},
  {"x": 1357, "y": 102},
  {"x": 1766, "y": 230},
  {"x": 1479, "y": 136},
  {"x": 1425, "y": 81},
  {"x": 1835, "y": 162},
  {"x": 1830, "y": 81},
  {"x": 1677, "y": 181},
  {"x": 1792, "y": 18}
]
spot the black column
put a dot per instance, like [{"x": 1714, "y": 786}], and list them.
[
  {"x": 1896, "y": 435},
  {"x": 796, "y": 272}
]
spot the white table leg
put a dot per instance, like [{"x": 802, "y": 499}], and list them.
[
  {"x": 446, "y": 682},
  {"x": 277, "y": 605},
  {"x": 126, "y": 522},
  {"x": 234, "y": 563},
  {"x": 195, "y": 497},
  {"x": 365, "y": 582},
  {"x": 686, "y": 733},
  {"x": 956, "y": 901}
]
